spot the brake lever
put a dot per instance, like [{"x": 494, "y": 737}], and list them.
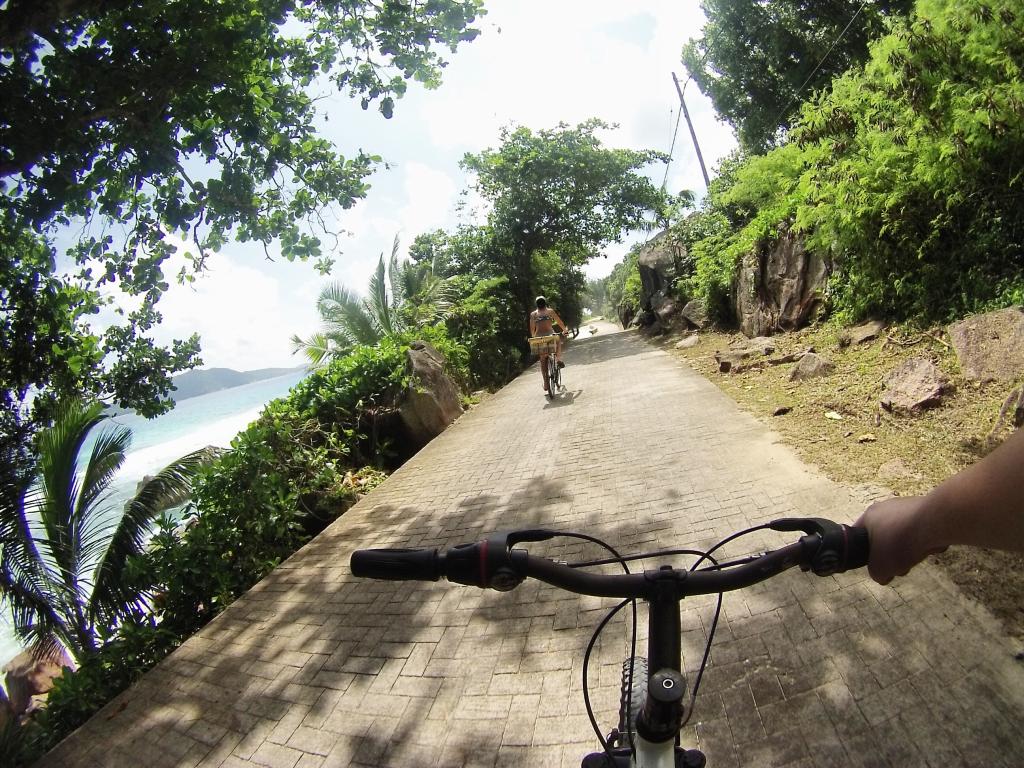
[
  {"x": 497, "y": 569},
  {"x": 826, "y": 542}
]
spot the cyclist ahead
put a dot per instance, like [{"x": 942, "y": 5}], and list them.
[{"x": 542, "y": 323}]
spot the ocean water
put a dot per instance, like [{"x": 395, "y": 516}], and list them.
[{"x": 212, "y": 419}]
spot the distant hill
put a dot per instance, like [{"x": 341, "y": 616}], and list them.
[{"x": 195, "y": 383}]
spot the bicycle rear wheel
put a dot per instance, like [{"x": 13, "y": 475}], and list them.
[{"x": 554, "y": 377}]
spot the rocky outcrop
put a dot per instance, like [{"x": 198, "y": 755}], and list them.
[
  {"x": 658, "y": 263},
  {"x": 432, "y": 401},
  {"x": 779, "y": 288},
  {"x": 30, "y": 674},
  {"x": 990, "y": 347},
  {"x": 912, "y": 386}
]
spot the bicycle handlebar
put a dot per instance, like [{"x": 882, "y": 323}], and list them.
[{"x": 826, "y": 548}]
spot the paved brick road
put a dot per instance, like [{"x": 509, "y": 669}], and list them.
[{"x": 312, "y": 668}]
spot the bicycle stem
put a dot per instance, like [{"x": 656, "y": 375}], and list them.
[{"x": 662, "y": 714}]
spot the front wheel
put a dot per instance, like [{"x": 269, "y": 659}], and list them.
[{"x": 632, "y": 697}]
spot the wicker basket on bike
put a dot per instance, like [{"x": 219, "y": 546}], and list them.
[{"x": 543, "y": 345}]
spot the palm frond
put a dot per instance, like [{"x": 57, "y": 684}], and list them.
[
  {"x": 170, "y": 487},
  {"x": 376, "y": 304},
  {"x": 317, "y": 348},
  {"x": 398, "y": 295},
  {"x": 345, "y": 316},
  {"x": 57, "y": 473},
  {"x": 93, "y": 520}
]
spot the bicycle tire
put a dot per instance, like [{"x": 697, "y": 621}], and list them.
[
  {"x": 554, "y": 379},
  {"x": 632, "y": 697}
]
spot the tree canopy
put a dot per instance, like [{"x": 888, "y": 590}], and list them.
[
  {"x": 126, "y": 125},
  {"x": 759, "y": 61},
  {"x": 197, "y": 116},
  {"x": 560, "y": 190}
]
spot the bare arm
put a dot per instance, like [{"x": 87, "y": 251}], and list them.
[
  {"x": 533, "y": 324},
  {"x": 982, "y": 506}
]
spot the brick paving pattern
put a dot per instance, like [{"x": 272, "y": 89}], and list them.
[{"x": 314, "y": 668}]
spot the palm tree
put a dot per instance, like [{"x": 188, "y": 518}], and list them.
[
  {"x": 416, "y": 298},
  {"x": 65, "y": 549}
]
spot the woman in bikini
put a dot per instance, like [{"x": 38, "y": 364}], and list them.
[{"x": 542, "y": 321}]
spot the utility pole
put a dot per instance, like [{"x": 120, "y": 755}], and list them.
[{"x": 693, "y": 134}]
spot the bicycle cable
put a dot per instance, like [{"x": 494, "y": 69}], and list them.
[
  {"x": 617, "y": 558},
  {"x": 718, "y": 609},
  {"x": 701, "y": 555}
]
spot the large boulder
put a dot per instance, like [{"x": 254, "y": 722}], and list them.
[
  {"x": 696, "y": 313},
  {"x": 779, "y": 288},
  {"x": 913, "y": 385},
  {"x": 658, "y": 262},
  {"x": 432, "y": 401},
  {"x": 31, "y": 673},
  {"x": 990, "y": 347}
]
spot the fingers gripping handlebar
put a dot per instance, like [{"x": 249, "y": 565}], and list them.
[{"x": 826, "y": 548}]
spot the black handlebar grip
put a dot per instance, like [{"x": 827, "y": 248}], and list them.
[
  {"x": 858, "y": 547},
  {"x": 396, "y": 564}
]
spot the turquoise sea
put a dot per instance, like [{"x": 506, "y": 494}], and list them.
[{"x": 212, "y": 419}]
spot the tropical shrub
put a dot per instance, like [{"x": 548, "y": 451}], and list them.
[
  {"x": 485, "y": 319},
  {"x": 919, "y": 173},
  {"x": 77, "y": 695},
  {"x": 907, "y": 174}
]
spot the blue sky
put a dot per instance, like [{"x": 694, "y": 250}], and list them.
[{"x": 536, "y": 63}]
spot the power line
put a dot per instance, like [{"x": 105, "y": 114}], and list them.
[
  {"x": 671, "y": 150},
  {"x": 823, "y": 58}
]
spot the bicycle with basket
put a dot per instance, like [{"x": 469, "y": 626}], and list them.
[{"x": 546, "y": 347}]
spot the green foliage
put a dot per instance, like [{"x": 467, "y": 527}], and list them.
[
  {"x": 559, "y": 190},
  {"x": 108, "y": 106},
  {"x": 49, "y": 353},
  {"x": 77, "y": 695},
  {"x": 486, "y": 320},
  {"x": 595, "y": 296},
  {"x": 921, "y": 158},
  {"x": 560, "y": 282},
  {"x": 908, "y": 174},
  {"x": 758, "y": 61},
  {"x": 287, "y": 475},
  {"x": 296, "y": 468},
  {"x": 160, "y": 119},
  {"x": 400, "y": 296},
  {"x": 622, "y": 289},
  {"x": 64, "y": 562}
]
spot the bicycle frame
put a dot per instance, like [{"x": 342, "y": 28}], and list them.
[{"x": 660, "y": 720}]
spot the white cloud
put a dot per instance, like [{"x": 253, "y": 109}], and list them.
[
  {"x": 240, "y": 310},
  {"x": 550, "y": 62}
]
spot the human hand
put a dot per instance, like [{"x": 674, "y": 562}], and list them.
[{"x": 898, "y": 535}]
